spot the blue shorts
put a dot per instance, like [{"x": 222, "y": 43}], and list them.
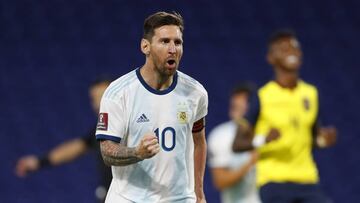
[{"x": 292, "y": 193}]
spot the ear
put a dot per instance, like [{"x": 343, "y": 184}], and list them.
[{"x": 145, "y": 46}]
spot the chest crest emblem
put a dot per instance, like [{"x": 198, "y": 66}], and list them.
[
  {"x": 306, "y": 104},
  {"x": 182, "y": 112}
]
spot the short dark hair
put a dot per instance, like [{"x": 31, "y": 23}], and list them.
[
  {"x": 243, "y": 87},
  {"x": 281, "y": 34},
  {"x": 160, "y": 19}
]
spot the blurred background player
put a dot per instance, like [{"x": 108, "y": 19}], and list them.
[
  {"x": 72, "y": 149},
  {"x": 287, "y": 110},
  {"x": 233, "y": 174}
]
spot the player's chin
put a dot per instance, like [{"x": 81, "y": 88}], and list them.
[{"x": 170, "y": 70}]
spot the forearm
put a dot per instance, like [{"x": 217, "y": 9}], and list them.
[
  {"x": 67, "y": 151},
  {"x": 115, "y": 154},
  {"x": 199, "y": 162},
  {"x": 243, "y": 140},
  {"x": 224, "y": 178}
]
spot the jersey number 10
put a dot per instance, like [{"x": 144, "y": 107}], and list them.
[{"x": 167, "y": 134}]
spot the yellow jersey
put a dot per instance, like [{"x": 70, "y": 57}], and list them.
[{"x": 294, "y": 113}]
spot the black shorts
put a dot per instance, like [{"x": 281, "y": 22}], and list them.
[{"x": 292, "y": 193}]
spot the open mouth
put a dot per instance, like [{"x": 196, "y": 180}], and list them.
[
  {"x": 171, "y": 62},
  {"x": 292, "y": 59}
]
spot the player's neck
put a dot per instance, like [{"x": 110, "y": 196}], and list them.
[
  {"x": 154, "y": 79},
  {"x": 286, "y": 79}
]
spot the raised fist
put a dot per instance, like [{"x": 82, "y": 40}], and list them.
[{"x": 148, "y": 147}]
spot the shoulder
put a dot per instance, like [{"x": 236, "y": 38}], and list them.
[
  {"x": 190, "y": 83},
  {"x": 220, "y": 130},
  {"x": 308, "y": 86},
  {"x": 267, "y": 87},
  {"x": 118, "y": 86}
]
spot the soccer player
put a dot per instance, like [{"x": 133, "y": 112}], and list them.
[
  {"x": 286, "y": 108},
  {"x": 72, "y": 149},
  {"x": 151, "y": 123},
  {"x": 233, "y": 173}
]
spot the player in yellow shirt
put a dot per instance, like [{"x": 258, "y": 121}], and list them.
[{"x": 283, "y": 125}]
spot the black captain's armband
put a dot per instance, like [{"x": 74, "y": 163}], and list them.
[{"x": 199, "y": 125}]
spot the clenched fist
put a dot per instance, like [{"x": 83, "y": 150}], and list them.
[{"x": 148, "y": 147}]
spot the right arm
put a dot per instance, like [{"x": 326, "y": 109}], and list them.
[
  {"x": 243, "y": 138},
  {"x": 115, "y": 154},
  {"x": 61, "y": 154},
  {"x": 245, "y": 141}
]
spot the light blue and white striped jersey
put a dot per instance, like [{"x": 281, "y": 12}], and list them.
[
  {"x": 129, "y": 109},
  {"x": 221, "y": 156}
]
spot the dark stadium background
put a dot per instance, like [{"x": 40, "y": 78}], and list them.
[{"x": 50, "y": 51}]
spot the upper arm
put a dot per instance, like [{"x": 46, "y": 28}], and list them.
[
  {"x": 253, "y": 112},
  {"x": 111, "y": 121},
  {"x": 199, "y": 135}
]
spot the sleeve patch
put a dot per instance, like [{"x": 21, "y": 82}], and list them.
[{"x": 102, "y": 122}]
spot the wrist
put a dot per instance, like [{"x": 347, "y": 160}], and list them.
[
  {"x": 200, "y": 194},
  {"x": 44, "y": 162},
  {"x": 258, "y": 141},
  {"x": 137, "y": 153}
]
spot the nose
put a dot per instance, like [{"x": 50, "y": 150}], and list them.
[{"x": 172, "y": 48}]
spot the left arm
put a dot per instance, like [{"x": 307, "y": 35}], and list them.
[{"x": 199, "y": 159}]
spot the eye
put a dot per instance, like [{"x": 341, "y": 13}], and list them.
[
  {"x": 165, "y": 41},
  {"x": 178, "y": 42}
]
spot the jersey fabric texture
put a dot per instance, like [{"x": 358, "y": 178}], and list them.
[
  {"x": 222, "y": 156},
  {"x": 294, "y": 113},
  {"x": 130, "y": 108}
]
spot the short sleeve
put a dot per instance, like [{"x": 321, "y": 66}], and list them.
[
  {"x": 254, "y": 110},
  {"x": 111, "y": 121},
  {"x": 219, "y": 153},
  {"x": 202, "y": 109}
]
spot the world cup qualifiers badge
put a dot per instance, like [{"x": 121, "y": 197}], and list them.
[
  {"x": 182, "y": 113},
  {"x": 102, "y": 122}
]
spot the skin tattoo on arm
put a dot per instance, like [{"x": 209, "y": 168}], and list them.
[{"x": 115, "y": 154}]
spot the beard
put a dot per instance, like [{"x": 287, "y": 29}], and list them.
[{"x": 165, "y": 69}]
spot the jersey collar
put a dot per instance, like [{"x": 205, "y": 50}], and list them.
[{"x": 154, "y": 91}]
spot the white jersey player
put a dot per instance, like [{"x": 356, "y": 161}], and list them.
[
  {"x": 151, "y": 123},
  {"x": 233, "y": 173}
]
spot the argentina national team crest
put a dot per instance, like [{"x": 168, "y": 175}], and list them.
[{"x": 182, "y": 112}]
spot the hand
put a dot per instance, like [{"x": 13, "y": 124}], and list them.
[
  {"x": 27, "y": 164},
  {"x": 273, "y": 135},
  {"x": 148, "y": 147},
  {"x": 326, "y": 137}
]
